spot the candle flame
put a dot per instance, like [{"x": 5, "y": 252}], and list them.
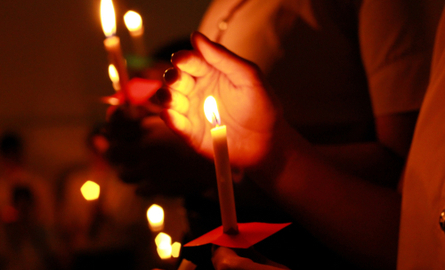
[
  {"x": 163, "y": 238},
  {"x": 176, "y": 249},
  {"x": 90, "y": 190},
  {"x": 164, "y": 251},
  {"x": 164, "y": 245},
  {"x": 114, "y": 76},
  {"x": 155, "y": 216},
  {"x": 108, "y": 17},
  {"x": 133, "y": 21},
  {"x": 113, "y": 101},
  {"x": 211, "y": 111}
]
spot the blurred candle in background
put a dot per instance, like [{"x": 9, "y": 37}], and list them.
[
  {"x": 155, "y": 216},
  {"x": 134, "y": 24},
  {"x": 114, "y": 77},
  {"x": 112, "y": 43},
  {"x": 176, "y": 249},
  {"x": 222, "y": 166},
  {"x": 90, "y": 190},
  {"x": 163, "y": 245}
]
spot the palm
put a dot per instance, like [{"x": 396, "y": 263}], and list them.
[{"x": 245, "y": 108}]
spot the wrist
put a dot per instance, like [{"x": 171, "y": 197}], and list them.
[{"x": 281, "y": 149}]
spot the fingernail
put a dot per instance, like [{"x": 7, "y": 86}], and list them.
[{"x": 171, "y": 75}]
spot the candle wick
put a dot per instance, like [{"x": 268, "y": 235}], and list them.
[{"x": 215, "y": 121}]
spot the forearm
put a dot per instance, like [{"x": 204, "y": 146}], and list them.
[
  {"x": 368, "y": 160},
  {"x": 356, "y": 218}
]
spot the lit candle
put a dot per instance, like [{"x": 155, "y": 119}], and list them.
[
  {"x": 163, "y": 238},
  {"x": 114, "y": 77},
  {"x": 155, "y": 216},
  {"x": 134, "y": 24},
  {"x": 176, "y": 249},
  {"x": 112, "y": 42},
  {"x": 164, "y": 245},
  {"x": 222, "y": 166},
  {"x": 90, "y": 190}
]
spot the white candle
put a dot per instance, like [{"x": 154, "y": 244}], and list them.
[
  {"x": 133, "y": 22},
  {"x": 222, "y": 166},
  {"x": 112, "y": 43}
]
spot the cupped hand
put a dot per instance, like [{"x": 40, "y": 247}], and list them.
[{"x": 245, "y": 103}]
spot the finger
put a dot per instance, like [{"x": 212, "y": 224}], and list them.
[
  {"x": 191, "y": 62},
  {"x": 179, "y": 102},
  {"x": 223, "y": 258},
  {"x": 163, "y": 97},
  {"x": 177, "y": 122},
  {"x": 240, "y": 71},
  {"x": 179, "y": 81}
]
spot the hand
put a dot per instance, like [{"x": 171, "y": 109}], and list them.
[
  {"x": 245, "y": 103},
  {"x": 225, "y": 259},
  {"x": 144, "y": 151}
]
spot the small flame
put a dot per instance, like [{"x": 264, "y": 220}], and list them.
[
  {"x": 164, "y": 251},
  {"x": 133, "y": 21},
  {"x": 164, "y": 245},
  {"x": 108, "y": 17},
  {"x": 114, "y": 76},
  {"x": 163, "y": 238},
  {"x": 176, "y": 249},
  {"x": 211, "y": 111},
  {"x": 90, "y": 190},
  {"x": 155, "y": 216},
  {"x": 113, "y": 101}
]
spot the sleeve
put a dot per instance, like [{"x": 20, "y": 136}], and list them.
[
  {"x": 252, "y": 29},
  {"x": 396, "y": 40}
]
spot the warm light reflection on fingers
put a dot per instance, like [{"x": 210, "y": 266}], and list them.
[
  {"x": 178, "y": 122},
  {"x": 184, "y": 83},
  {"x": 179, "y": 102},
  {"x": 194, "y": 65}
]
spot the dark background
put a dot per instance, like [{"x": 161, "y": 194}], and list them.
[{"x": 53, "y": 68}]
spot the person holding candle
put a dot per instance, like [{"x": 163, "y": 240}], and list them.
[
  {"x": 340, "y": 69},
  {"x": 334, "y": 205},
  {"x": 398, "y": 123},
  {"x": 351, "y": 75},
  {"x": 421, "y": 236}
]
